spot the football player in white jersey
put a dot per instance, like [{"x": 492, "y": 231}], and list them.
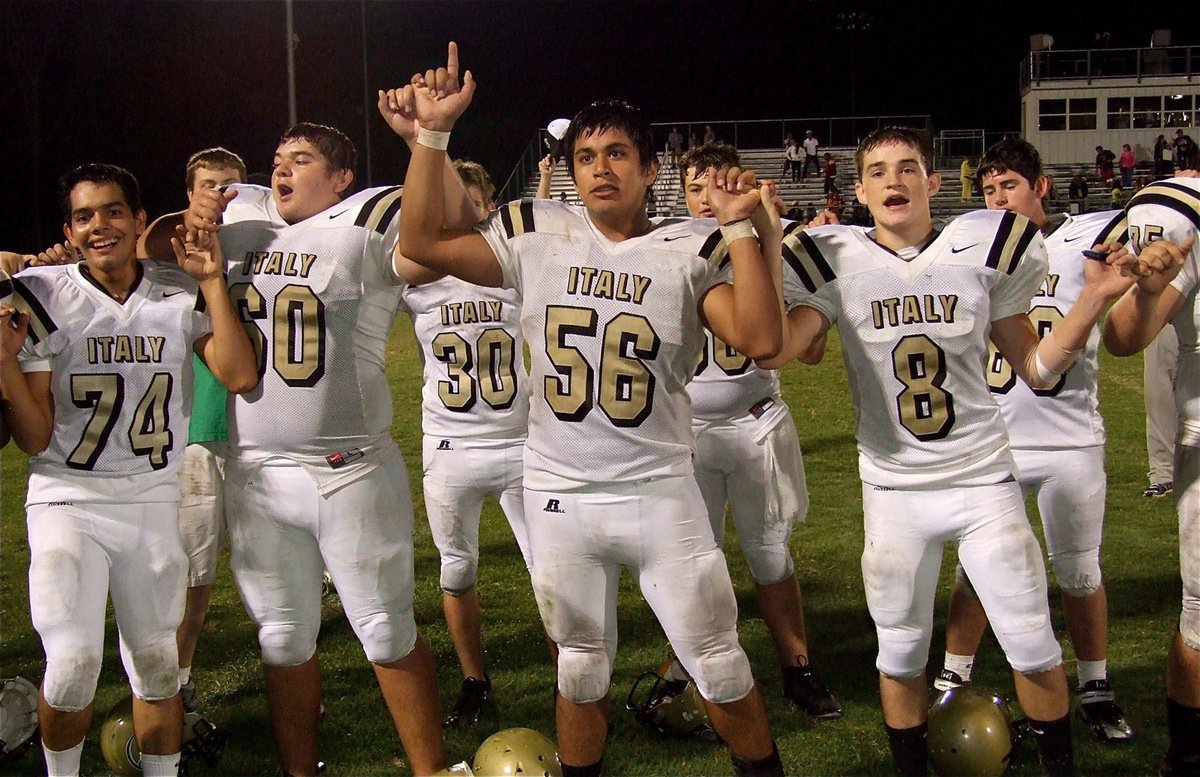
[
  {"x": 1164, "y": 222},
  {"x": 1057, "y": 440},
  {"x": 474, "y": 415},
  {"x": 316, "y": 279},
  {"x": 612, "y": 305},
  {"x": 100, "y": 400},
  {"x": 748, "y": 455},
  {"x": 915, "y": 308}
]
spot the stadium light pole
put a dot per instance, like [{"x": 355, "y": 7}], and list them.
[{"x": 291, "y": 63}]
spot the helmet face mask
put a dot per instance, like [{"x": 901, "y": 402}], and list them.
[
  {"x": 669, "y": 706},
  {"x": 516, "y": 751},
  {"x": 18, "y": 717},
  {"x": 970, "y": 733},
  {"x": 202, "y": 741}
]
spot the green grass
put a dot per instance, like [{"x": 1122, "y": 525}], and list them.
[{"x": 1140, "y": 562}]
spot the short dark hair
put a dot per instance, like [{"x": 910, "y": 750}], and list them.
[
  {"x": 905, "y": 136},
  {"x": 214, "y": 158},
  {"x": 611, "y": 114},
  {"x": 473, "y": 174},
  {"x": 715, "y": 154},
  {"x": 330, "y": 141},
  {"x": 99, "y": 173},
  {"x": 1012, "y": 154}
]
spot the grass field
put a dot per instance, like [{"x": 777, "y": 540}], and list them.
[{"x": 1140, "y": 564}]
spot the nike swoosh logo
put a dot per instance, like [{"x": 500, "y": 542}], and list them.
[
  {"x": 960, "y": 249},
  {"x": 1073, "y": 239},
  {"x": 677, "y": 237},
  {"x": 171, "y": 294},
  {"x": 334, "y": 216}
]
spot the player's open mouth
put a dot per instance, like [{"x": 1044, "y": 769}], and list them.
[
  {"x": 604, "y": 190},
  {"x": 895, "y": 201},
  {"x": 284, "y": 190},
  {"x": 101, "y": 245}
]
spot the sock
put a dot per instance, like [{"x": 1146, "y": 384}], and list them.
[
  {"x": 910, "y": 749},
  {"x": 1183, "y": 734},
  {"x": 1091, "y": 670},
  {"x": 771, "y": 766},
  {"x": 1053, "y": 739},
  {"x": 960, "y": 665},
  {"x": 591, "y": 770},
  {"x": 63, "y": 763},
  {"x": 185, "y": 674},
  {"x": 160, "y": 765}
]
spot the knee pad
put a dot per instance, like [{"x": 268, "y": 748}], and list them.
[
  {"x": 724, "y": 677},
  {"x": 1078, "y": 572},
  {"x": 1189, "y": 621},
  {"x": 459, "y": 573},
  {"x": 287, "y": 644},
  {"x": 386, "y": 637},
  {"x": 583, "y": 675},
  {"x": 154, "y": 670},
  {"x": 769, "y": 564},
  {"x": 69, "y": 684}
]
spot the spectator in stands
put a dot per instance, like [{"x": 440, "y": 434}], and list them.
[
  {"x": 693, "y": 140},
  {"x": 1104, "y": 166},
  {"x": 1078, "y": 191},
  {"x": 810, "y": 154},
  {"x": 967, "y": 179},
  {"x": 830, "y": 174},
  {"x": 1162, "y": 168},
  {"x": 1127, "y": 163},
  {"x": 674, "y": 144},
  {"x": 793, "y": 159},
  {"x": 562, "y": 196},
  {"x": 709, "y": 135},
  {"x": 1184, "y": 148},
  {"x": 1117, "y": 195},
  {"x": 796, "y": 211}
]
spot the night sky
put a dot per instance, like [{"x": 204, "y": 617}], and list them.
[{"x": 144, "y": 84}]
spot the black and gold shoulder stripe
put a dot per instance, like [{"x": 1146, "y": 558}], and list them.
[
  {"x": 1013, "y": 236},
  {"x": 517, "y": 217},
  {"x": 1115, "y": 231},
  {"x": 1181, "y": 199},
  {"x": 801, "y": 253},
  {"x": 715, "y": 250},
  {"x": 41, "y": 325},
  {"x": 377, "y": 212}
]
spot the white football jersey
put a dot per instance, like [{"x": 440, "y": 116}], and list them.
[
  {"x": 1170, "y": 210},
  {"x": 121, "y": 375},
  {"x": 318, "y": 298},
  {"x": 1066, "y": 415},
  {"x": 915, "y": 340},
  {"x": 613, "y": 331},
  {"x": 729, "y": 386},
  {"x": 475, "y": 383}
]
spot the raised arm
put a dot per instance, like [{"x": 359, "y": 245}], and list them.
[
  {"x": 746, "y": 314},
  {"x": 438, "y": 101},
  {"x": 25, "y": 398},
  {"x": 1147, "y": 307},
  {"x": 545, "y": 176},
  {"x": 226, "y": 350},
  {"x": 1040, "y": 363}
]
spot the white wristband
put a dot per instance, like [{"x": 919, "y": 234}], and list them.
[
  {"x": 736, "y": 230},
  {"x": 433, "y": 139}
]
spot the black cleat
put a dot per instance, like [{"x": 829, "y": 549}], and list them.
[
  {"x": 1095, "y": 706},
  {"x": 804, "y": 688},
  {"x": 473, "y": 702},
  {"x": 1159, "y": 489}
]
